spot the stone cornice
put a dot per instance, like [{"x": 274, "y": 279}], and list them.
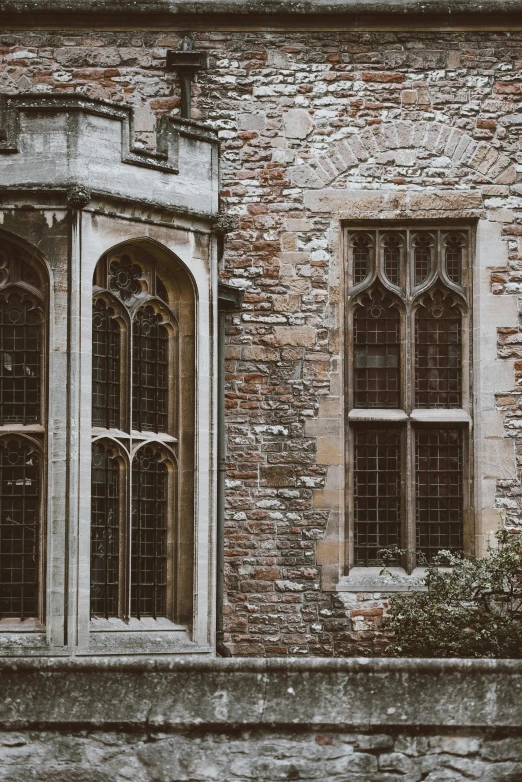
[{"x": 265, "y": 13}]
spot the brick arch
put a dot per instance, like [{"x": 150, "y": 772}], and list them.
[{"x": 398, "y": 142}]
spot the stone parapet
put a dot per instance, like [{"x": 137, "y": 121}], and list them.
[
  {"x": 174, "y": 694},
  {"x": 359, "y": 720}
]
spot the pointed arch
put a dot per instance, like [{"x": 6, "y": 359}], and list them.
[{"x": 438, "y": 351}]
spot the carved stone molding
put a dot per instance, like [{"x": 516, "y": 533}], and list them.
[{"x": 225, "y": 224}]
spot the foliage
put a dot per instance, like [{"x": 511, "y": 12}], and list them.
[{"x": 471, "y": 607}]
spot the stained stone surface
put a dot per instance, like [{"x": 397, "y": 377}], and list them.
[{"x": 260, "y": 721}]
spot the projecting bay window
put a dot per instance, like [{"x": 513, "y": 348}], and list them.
[
  {"x": 136, "y": 403},
  {"x": 408, "y": 391},
  {"x": 23, "y": 308}
]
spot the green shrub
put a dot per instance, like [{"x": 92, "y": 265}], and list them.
[{"x": 471, "y": 607}]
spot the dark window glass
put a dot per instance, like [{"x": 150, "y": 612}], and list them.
[
  {"x": 105, "y": 367},
  {"x": 20, "y": 348},
  {"x": 149, "y": 535},
  {"x": 105, "y": 533},
  {"x": 438, "y": 350},
  {"x": 454, "y": 259},
  {"x": 376, "y": 326},
  {"x": 361, "y": 258},
  {"x": 421, "y": 258},
  {"x": 392, "y": 259},
  {"x": 19, "y": 530},
  {"x": 149, "y": 372},
  {"x": 438, "y": 478},
  {"x": 377, "y": 489}
]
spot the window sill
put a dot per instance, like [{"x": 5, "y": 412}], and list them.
[
  {"x": 420, "y": 415},
  {"x": 371, "y": 579},
  {"x": 140, "y": 636},
  {"x": 21, "y": 626},
  {"x": 10, "y": 428}
]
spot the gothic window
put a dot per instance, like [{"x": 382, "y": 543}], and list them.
[
  {"x": 23, "y": 301},
  {"x": 136, "y": 365},
  {"x": 408, "y": 391}
]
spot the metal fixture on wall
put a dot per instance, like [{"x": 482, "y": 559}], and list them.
[{"x": 186, "y": 62}]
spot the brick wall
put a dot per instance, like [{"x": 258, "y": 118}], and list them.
[{"x": 308, "y": 123}]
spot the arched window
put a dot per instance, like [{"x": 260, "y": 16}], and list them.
[
  {"x": 410, "y": 351},
  {"x": 392, "y": 258},
  {"x": 453, "y": 247},
  {"x": 422, "y": 258},
  {"x": 361, "y": 253},
  {"x": 438, "y": 352},
  {"x": 23, "y": 303},
  {"x": 136, "y": 396},
  {"x": 150, "y": 364}
]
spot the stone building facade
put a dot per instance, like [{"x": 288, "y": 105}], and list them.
[{"x": 330, "y": 120}]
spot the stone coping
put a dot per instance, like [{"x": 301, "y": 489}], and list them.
[
  {"x": 205, "y": 13},
  {"x": 172, "y": 694}
]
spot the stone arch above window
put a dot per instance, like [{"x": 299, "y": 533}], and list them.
[{"x": 400, "y": 142}]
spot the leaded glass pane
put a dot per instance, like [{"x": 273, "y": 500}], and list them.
[
  {"x": 377, "y": 493},
  {"x": 376, "y": 330},
  {"x": 105, "y": 367},
  {"x": 453, "y": 253},
  {"x": 149, "y": 372},
  {"x": 19, "y": 529},
  {"x": 438, "y": 353},
  {"x": 392, "y": 259},
  {"x": 361, "y": 258},
  {"x": 149, "y": 535},
  {"x": 421, "y": 258},
  {"x": 20, "y": 357},
  {"x": 438, "y": 480},
  {"x": 105, "y": 533}
]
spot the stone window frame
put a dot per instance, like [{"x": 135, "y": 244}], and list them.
[
  {"x": 410, "y": 418},
  {"x": 370, "y": 579},
  {"x": 60, "y": 202}
]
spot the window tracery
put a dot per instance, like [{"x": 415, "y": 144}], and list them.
[{"x": 131, "y": 573}]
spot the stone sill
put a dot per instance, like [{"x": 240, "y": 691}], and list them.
[
  {"x": 369, "y": 579},
  {"x": 421, "y": 416}
]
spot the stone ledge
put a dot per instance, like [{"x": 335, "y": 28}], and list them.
[
  {"x": 175, "y": 695},
  {"x": 378, "y": 13}
]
